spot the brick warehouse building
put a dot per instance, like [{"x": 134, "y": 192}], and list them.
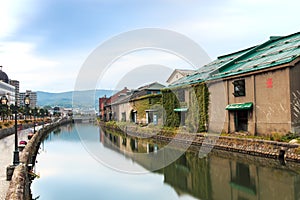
[{"x": 256, "y": 90}]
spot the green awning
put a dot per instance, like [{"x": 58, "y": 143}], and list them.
[
  {"x": 181, "y": 109},
  {"x": 240, "y": 106}
]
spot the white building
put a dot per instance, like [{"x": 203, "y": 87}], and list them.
[
  {"x": 6, "y": 89},
  {"x": 32, "y": 96}
]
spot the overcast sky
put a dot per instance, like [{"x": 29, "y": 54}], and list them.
[{"x": 44, "y": 44}]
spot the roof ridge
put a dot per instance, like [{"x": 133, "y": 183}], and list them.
[
  {"x": 276, "y": 38},
  {"x": 236, "y": 52},
  {"x": 247, "y": 53}
]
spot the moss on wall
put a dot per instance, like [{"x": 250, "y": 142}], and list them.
[
  {"x": 199, "y": 105},
  {"x": 198, "y": 102},
  {"x": 169, "y": 103},
  {"x": 144, "y": 103}
]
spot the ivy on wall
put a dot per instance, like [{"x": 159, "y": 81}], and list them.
[
  {"x": 169, "y": 103},
  {"x": 200, "y": 103},
  {"x": 145, "y": 103},
  {"x": 197, "y": 102}
]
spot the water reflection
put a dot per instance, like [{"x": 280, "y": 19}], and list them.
[
  {"x": 68, "y": 172},
  {"x": 217, "y": 176}
]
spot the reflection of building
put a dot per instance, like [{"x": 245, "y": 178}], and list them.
[
  {"x": 213, "y": 177},
  {"x": 238, "y": 180},
  {"x": 32, "y": 96}
]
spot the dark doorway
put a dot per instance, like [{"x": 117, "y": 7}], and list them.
[
  {"x": 133, "y": 116},
  {"x": 241, "y": 120}
]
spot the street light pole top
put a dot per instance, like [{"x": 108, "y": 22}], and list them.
[
  {"x": 4, "y": 100},
  {"x": 27, "y": 100}
]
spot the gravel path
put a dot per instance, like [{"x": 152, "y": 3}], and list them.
[{"x": 6, "y": 158}]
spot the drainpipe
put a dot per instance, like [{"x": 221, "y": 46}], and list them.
[
  {"x": 254, "y": 105},
  {"x": 227, "y": 111}
]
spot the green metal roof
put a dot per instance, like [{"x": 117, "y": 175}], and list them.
[
  {"x": 276, "y": 51},
  {"x": 239, "y": 106},
  {"x": 203, "y": 73}
]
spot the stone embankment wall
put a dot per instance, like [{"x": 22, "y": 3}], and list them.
[
  {"x": 19, "y": 188},
  {"x": 256, "y": 147},
  {"x": 9, "y": 131}
]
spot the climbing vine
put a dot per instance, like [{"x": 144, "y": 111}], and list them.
[
  {"x": 197, "y": 103},
  {"x": 145, "y": 103},
  {"x": 201, "y": 101},
  {"x": 169, "y": 103}
]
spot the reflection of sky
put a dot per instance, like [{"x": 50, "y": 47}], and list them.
[{"x": 69, "y": 172}]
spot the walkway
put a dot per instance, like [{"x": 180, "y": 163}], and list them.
[{"x": 6, "y": 158}]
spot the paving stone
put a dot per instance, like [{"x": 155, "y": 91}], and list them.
[{"x": 6, "y": 158}]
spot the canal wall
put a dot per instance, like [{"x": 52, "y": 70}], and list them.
[
  {"x": 19, "y": 188},
  {"x": 256, "y": 147},
  {"x": 9, "y": 131}
]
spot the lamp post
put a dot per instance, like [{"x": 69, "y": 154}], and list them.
[
  {"x": 42, "y": 111},
  {"x": 26, "y": 102},
  {"x": 35, "y": 112},
  {"x": 16, "y": 160}
]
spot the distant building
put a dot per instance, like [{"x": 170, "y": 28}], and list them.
[
  {"x": 178, "y": 74},
  {"x": 17, "y": 90},
  {"x": 152, "y": 88},
  {"x": 103, "y": 101},
  {"x": 105, "y": 110},
  {"x": 121, "y": 108},
  {"x": 32, "y": 96},
  {"x": 5, "y": 88},
  {"x": 145, "y": 103}
]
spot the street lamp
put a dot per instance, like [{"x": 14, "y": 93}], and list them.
[
  {"x": 35, "y": 113},
  {"x": 26, "y": 102},
  {"x": 42, "y": 111},
  {"x": 16, "y": 160}
]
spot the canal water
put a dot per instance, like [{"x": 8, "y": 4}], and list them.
[{"x": 69, "y": 168}]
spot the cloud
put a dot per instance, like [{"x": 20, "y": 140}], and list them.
[
  {"x": 13, "y": 14},
  {"x": 20, "y": 62},
  {"x": 35, "y": 72},
  {"x": 8, "y": 19},
  {"x": 240, "y": 24},
  {"x": 135, "y": 65}
]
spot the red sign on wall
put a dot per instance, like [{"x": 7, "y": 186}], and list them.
[{"x": 269, "y": 83}]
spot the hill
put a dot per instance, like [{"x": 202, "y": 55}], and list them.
[{"x": 64, "y": 99}]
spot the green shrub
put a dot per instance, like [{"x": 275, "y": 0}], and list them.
[{"x": 6, "y": 124}]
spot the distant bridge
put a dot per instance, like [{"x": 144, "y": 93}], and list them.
[{"x": 84, "y": 118}]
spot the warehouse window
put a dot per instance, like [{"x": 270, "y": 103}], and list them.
[{"x": 239, "y": 88}]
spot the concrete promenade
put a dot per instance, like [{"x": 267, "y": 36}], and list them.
[{"x": 7, "y": 145}]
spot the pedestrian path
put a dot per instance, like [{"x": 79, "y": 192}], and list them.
[{"x": 7, "y": 145}]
